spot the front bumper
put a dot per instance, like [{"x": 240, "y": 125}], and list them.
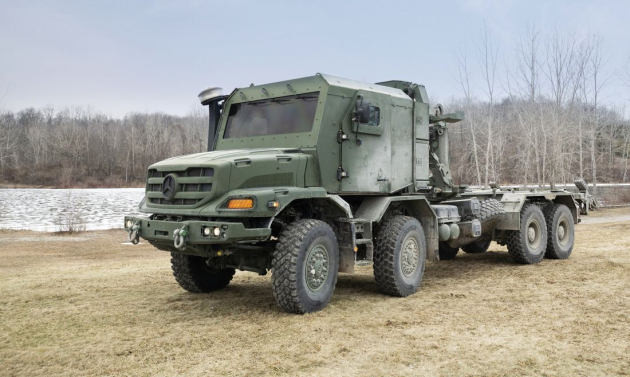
[{"x": 231, "y": 232}]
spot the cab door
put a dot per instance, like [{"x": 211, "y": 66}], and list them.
[{"x": 366, "y": 151}]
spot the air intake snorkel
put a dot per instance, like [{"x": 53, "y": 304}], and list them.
[{"x": 213, "y": 98}]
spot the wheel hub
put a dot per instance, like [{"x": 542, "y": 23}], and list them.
[
  {"x": 531, "y": 234},
  {"x": 316, "y": 268},
  {"x": 409, "y": 257},
  {"x": 561, "y": 232},
  {"x": 534, "y": 235}
]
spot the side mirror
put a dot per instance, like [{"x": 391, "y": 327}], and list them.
[{"x": 362, "y": 111}]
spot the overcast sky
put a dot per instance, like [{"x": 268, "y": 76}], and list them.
[{"x": 120, "y": 56}]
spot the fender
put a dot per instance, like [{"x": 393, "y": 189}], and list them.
[
  {"x": 372, "y": 210},
  {"x": 262, "y": 196},
  {"x": 513, "y": 203}
]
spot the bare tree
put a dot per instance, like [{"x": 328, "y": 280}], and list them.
[
  {"x": 625, "y": 74},
  {"x": 9, "y": 140},
  {"x": 528, "y": 64},
  {"x": 625, "y": 152},
  {"x": 464, "y": 83},
  {"x": 487, "y": 60},
  {"x": 70, "y": 218},
  {"x": 596, "y": 84},
  {"x": 626, "y": 126}
]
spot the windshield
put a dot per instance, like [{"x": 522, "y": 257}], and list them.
[{"x": 281, "y": 115}]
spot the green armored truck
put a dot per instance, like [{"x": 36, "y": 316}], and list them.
[{"x": 307, "y": 177}]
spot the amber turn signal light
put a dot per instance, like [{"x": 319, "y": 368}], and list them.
[{"x": 241, "y": 203}]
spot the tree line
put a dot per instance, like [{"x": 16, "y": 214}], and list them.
[
  {"x": 535, "y": 114},
  {"x": 80, "y": 147}
]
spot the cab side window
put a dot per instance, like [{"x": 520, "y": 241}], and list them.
[{"x": 375, "y": 116}]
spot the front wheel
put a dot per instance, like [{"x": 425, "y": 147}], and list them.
[
  {"x": 399, "y": 256},
  {"x": 305, "y": 266}
]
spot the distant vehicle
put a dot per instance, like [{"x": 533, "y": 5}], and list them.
[{"x": 306, "y": 177}]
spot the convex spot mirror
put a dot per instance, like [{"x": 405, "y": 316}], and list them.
[{"x": 362, "y": 111}]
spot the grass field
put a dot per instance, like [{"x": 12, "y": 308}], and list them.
[{"x": 88, "y": 305}]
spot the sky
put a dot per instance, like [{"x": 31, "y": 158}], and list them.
[{"x": 123, "y": 56}]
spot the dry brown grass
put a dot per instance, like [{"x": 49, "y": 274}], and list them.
[{"x": 88, "y": 305}]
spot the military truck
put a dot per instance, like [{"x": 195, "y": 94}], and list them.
[{"x": 308, "y": 177}]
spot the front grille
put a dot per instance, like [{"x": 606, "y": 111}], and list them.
[{"x": 193, "y": 186}]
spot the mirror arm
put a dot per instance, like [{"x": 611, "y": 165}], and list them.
[
  {"x": 357, "y": 116},
  {"x": 359, "y": 111}
]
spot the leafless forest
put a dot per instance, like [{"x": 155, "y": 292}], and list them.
[
  {"x": 79, "y": 147},
  {"x": 541, "y": 118},
  {"x": 535, "y": 113}
]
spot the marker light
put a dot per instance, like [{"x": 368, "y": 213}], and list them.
[
  {"x": 247, "y": 203},
  {"x": 273, "y": 204}
]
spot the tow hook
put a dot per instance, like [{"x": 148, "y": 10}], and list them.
[
  {"x": 134, "y": 234},
  {"x": 179, "y": 236}
]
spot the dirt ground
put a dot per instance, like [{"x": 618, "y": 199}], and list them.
[{"x": 88, "y": 305}]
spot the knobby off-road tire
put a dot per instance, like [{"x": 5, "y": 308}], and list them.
[
  {"x": 399, "y": 256},
  {"x": 528, "y": 244},
  {"x": 194, "y": 275},
  {"x": 447, "y": 252},
  {"x": 305, "y": 266},
  {"x": 491, "y": 214},
  {"x": 560, "y": 231}
]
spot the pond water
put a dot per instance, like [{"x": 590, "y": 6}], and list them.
[{"x": 43, "y": 209}]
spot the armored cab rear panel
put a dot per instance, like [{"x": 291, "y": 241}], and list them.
[{"x": 377, "y": 157}]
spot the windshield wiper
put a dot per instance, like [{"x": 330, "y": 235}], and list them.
[
  {"x": 267, "y": 101},
  {"x": 256, "y": 103},
  {"x": 279, "y": 100},
  {"x": 306, "y": 97}
]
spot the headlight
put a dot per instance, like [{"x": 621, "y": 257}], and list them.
[
  {"x": 273, "y": 205},
  {"x": 206, "y": 231},
  {"x": 216, "y": 231},
  {"x": 128, "y": 224}
]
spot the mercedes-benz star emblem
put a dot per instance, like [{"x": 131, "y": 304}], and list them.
[{"x": 168, "y": 187}]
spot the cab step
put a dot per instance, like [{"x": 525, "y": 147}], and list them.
[{"x": 363, "y": 241}]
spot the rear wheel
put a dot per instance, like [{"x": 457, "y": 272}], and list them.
[
  {"x": 194, "y": 275},
  {"x": 305, "y": 266},
  {"x": 528, "y": 244},
  {"x": 560, "y": 229},
  {"x": 399, "y": 256}
]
